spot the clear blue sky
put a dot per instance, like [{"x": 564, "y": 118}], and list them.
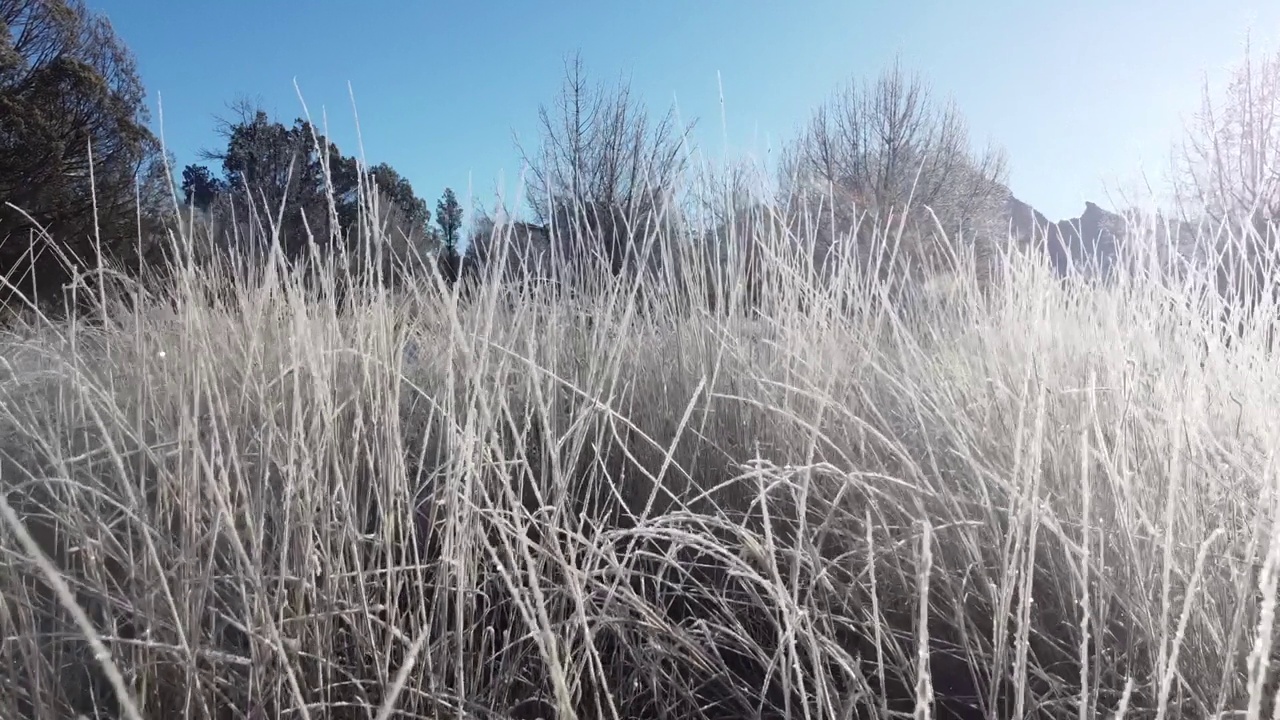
[{"x": 1083, "y": 95}]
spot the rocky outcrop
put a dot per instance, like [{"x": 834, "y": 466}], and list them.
[
  {"x": 1095, "y": 243},
  {"x": 1087, "y": 244},
  {"x": 1025, "y": 222}
]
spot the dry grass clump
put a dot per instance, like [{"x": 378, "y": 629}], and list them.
[{"x": 1043, "y": 499}]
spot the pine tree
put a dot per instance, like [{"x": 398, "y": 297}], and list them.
[{"x": 449, "y": 218}]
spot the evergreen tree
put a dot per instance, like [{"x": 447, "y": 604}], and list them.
[
  {"x": 70, "y": 95},
  {"x": 449, "y": 218}
]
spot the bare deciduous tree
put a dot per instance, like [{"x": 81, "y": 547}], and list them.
[
  {"x": 602, "y": 158},
  {"x": 874, "y": 151},
  {"x": 1226, "y": 172},
  {"x": 1228, "y": 164}
]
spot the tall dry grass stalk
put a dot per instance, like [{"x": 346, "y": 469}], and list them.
[{"x": 729, "y": 489}]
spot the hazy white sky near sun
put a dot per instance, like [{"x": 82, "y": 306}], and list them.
[{"x": 1083, "y": 95}]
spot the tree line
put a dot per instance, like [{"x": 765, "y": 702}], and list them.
[
  {"x": 605, "y": 173},
  {"x": 84, "y": 181},
  {"x": 266, "y": 164}
]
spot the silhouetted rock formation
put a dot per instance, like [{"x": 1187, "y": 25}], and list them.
[{"x": 1087, "y": 244}]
